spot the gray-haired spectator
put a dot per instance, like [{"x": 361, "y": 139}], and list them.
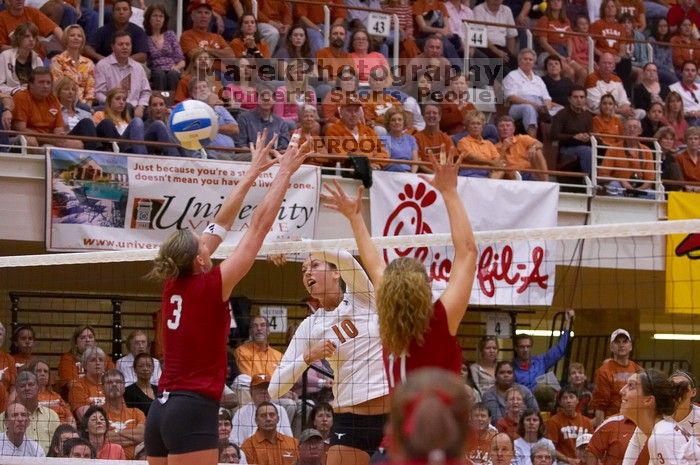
[
  {"x": 43, "y": 420},
  {"x": 87, "y": 391},
  {"x": 137, "y": 342}
]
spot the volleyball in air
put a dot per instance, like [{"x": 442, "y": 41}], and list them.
[{"x": 194, "y": 123}]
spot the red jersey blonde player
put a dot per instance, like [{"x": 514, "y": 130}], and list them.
[
  {"x": 416, "y": 332},
  {"x": 345, "y": 332},
  {"x": 649, "y": 400},
  {"x": 182, "y": 426}
]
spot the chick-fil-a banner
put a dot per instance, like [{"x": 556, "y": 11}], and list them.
[
  {"x": 508, "y": 273},
  {"x": 102, "y": 201}
]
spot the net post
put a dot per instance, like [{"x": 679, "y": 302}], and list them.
[{"x": 116, "y": 328}]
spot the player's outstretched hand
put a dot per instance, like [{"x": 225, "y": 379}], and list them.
[
  {"x": 445, "y": 171},
  {"x": 337, "y": 199},
  {"x": 293, "y": 157},
  {"x": 261, "y": 156}
]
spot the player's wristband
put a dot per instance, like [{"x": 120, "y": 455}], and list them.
[{"x": 216, "y": 230}]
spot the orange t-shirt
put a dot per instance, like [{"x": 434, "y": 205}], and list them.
[
  {"x": 252, "y": 360},
  {"x": 689, "y": 168},
  {"x": 376, "y": 105},
  {"x": 69, "y": 368},
  {"x": 614, "y": 33},
  {"x": 431, "y": 142},
  {"x": 421, "y": 7},
  {"x": 56, "y": 403},
  {"x": 609, "y": 441},
  {"x": 452, "y": 116},
  {"x": 683, "y": 50},
  {"x": 480, "y": 149},
  {"x": 192, "y": 40},
  {"x": 125, "y": 419},
  {"x": 554, "y": 28},
  {"x": 517, "y": 155},
  {"x": 509, "y": 426},
  {"x": 40, "y": 115},
  {"x": 341, "y": 141},
  {"x": 479, "y": 447},
  {"x": 608, "y": 125},
  {"x": 333, "y": 62},
  {"x": 563, "y": 431},
  {"x": 314, "y": 13},
  {"x": 239, "y": 48},
  {"x": 8, "y": 23},
  {"x": 635, "y": 8},
  {"x": 8, "y": 369},
  {"x": 258, "y": 450},
  {"x": 84, "y": 392},
  {"x": 609, "y": 380},
  {"x": 618, "y": 161}
]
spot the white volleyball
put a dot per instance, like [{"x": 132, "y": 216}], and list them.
[{"x": 194, "y": 123}]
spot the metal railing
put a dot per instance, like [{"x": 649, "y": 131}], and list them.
[{"x": 655, "y": 170}]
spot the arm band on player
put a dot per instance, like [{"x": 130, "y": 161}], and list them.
[{"x": 216, "y": 230}]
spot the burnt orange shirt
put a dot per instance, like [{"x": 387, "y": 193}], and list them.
[
  {"x": 563, "y": 431},
  {"x": 8, "y": 369},
  {"x": 239, "y": 48},
  {"x": 608, "y": 125},
  {"x": 283, "y": 451},
  {"x": 41, "y": 115},
  {"x": 689, "y": 168},
  {"x": 683, "y": 50},
  {"x": 333, "y": 62},
  {"x": 341, "y": 141},
  {"x": 432, "y": 142},
  {"x": 84, "y": 392},
  {"x": 69, "y": 368},
  {"x": 609, "y": 380},
  {"x": 609, "y": 441},
  {"x": 555, "y": 28},
  {"x": 509, "y": 426},
  {"x": 628, "y": 163},
  {"x": 125, "y": 419},
  {"x": 8, "y": 23},
  {"x": 481, "y": 149},
  {"x": 56, "y": 403},
  {"x": 479, "y": 447},
  {"x": 376, "y": 104},
  {"x": 314, "y": 13},
  {"x": 191, "y": 40},
  {"x": 272, "y": 10},
  {"x": 517, "y": 155},
  {"x": 452, "y": 116},
  {"x": 635, "y": 8},
  {"x": 614, "y": 32},
  {"x": 251, "y": 360}
]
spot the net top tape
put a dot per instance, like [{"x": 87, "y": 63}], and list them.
[{"x": 557, "y": 233}]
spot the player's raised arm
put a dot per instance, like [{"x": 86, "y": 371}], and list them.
[
  {"x": 242, "y": 258},
  {"x": 456, "y": 296},
  {"x": 216, "y": 231}
]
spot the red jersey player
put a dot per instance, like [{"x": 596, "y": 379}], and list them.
[{"x": 182, "y": 425}]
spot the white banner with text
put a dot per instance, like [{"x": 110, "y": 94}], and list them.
[
  {"x": 99, "y": 201},
  {"x": 508, "y": 273}
]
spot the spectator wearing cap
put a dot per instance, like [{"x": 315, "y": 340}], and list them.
[
  {"x": 253, "y": 122},
  {"x": 100, "y": 44},
  {"x": 311, "y": 449},
  {"x": 350, "y": 136},
  {"x": 267, "y": 446},
  {"x": 244, "y": 420},
  {"x": 608, "y": 443},
  {"x": 581, "y": 444},
  {"x": 612, "y": 376},
  {"x": 564, "y": 427},
  {"x": 199, "y": 37}
]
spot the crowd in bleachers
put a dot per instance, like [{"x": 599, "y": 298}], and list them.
[
  {"x": 97, "y": 408},
  {"x": 271, "y": 70}
]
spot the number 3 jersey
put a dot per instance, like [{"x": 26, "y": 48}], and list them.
[
  {"x": 353, "y": 327},
  {"x": 195, "y": 323}
]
